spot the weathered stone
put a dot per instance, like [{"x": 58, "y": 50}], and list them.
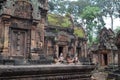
[
  {"x": 46, "y": 72},
  {"x": 105, "y": 52}
]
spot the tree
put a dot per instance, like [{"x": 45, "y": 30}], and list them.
[
  {"x": 109, "y": 8},
  {"x": 91, "y": 17},
  {"x": 82, "y": 12},
  {"x": 63, "y": 7}
]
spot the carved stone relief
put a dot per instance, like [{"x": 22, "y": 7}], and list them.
[
  {"x": 24, "y": 24},
  {"x": 23, "y": 9}
]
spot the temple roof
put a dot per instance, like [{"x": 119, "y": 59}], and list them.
[
  {"x": 106, "y": 41},
  {"x": 105, "y": 46},
  {"x": 59, "y": 22}
]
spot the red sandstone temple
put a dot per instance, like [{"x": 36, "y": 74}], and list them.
[
  {"x": 22, "y": 26},
  {"x": 64, "y": 38},
  {"x": 105, "y": 52},
  {"x": 29, "y": 38},
  {"x": 28, "y": 33}
]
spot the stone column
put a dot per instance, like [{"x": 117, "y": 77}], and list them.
[
  {"x": 6, "y": 52},
  {"x": 83, "y": 50},
  {"x": 65, "y": 51},
  {"x": 75, "y": 47},
  {"x": 56, "y": 46},
  {"x": 33, "y": 38},
  {"x": 99, "y": 58},
  {"x": 118, "y": 57},
  {"x": 1, "y": 35},
  {"x": 111, "y": 57},
  {"x": 42, "y": 26},
  {"x": 85, "y": 44}
]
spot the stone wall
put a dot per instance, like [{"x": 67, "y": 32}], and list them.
[{"x": 46, "y": 72}]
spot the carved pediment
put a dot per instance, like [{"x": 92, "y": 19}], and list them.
[
  {"x": 23, "y": 9},
  {"x": 106, "y": 35},
  {"x": 62, "y": 36}
]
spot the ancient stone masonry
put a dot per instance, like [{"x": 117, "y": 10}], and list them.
[
  {"x": 118, "y": 45},
  {"x": 29, "y": 38},
  {"x": 20, "y": 25},
  {"x": 62, "y": 37},
  {"x": 115, "y": 72},
  {"x": 28, "y": 33},
  {"x": 105, "y": 52},
  {"x": 46, "y": 72}
]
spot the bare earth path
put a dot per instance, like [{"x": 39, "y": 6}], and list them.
[{"x": 99, "y": 76}]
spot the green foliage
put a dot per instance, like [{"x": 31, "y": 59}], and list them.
[
  {"x": 58, "y": 20},
  {"x": 90, "y": 13},
  {"x": 92, "y": 20},
  {"x": 79, "y": 32}
]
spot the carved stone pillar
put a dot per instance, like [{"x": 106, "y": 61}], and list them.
[
  {"x": 65, "y": 51},
  {"x": 56, "y": 46},
  {"x": 82, "y": 50},
  {"x": 85, "y": 44},
  {"x": 75, "y": 47},
  {"x": 109, "y": 58},
  {"x": 6, "y": 52},
  {"x": 33, "y": 38},
  {"x": 42, "y": 30},
  {"x": 100, "y": 58},
  {"x": 118, "y": 57}
]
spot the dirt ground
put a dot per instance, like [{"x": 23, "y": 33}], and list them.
[{"x": 99, "y": 75}]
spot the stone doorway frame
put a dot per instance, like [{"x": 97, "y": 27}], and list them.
[
  {"x": 60, "y": 50},
  {"x": 105, "y": 59},
  {"x": 27, "y": 43}
]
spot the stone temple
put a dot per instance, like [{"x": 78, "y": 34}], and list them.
[{"x": 31, "y": 37}]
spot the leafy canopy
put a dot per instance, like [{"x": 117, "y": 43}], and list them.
[{"x": 90, "y": 13}]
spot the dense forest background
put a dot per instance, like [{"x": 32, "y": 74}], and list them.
[{"x": 88, "y": 13}]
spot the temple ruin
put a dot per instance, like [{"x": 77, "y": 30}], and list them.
[
  {"x": 29, "y": 38},
  {"x": 21, "y": 22},
  {"x": 105, "y": 52}
]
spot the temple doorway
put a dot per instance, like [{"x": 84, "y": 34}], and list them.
[
  {"x": 60, "y": 50},
  {"x": 18, "y": 42},
  {"x": 78, "y": 51},
  {"x": 105, "y": 58}
]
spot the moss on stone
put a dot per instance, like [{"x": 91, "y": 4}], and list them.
[
  {"x": 79, "y": 32},
  {"x": 58, "y": 20}
]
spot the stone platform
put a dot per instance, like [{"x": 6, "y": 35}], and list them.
[{"x": 46, "y": 72}]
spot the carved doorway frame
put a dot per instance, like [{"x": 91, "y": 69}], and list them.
[{"x": 20, "y": 40}]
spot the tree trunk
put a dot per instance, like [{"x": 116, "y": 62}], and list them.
[{"x": 111, "y": 21}]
